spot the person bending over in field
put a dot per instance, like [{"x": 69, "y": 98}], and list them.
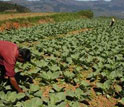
[
  {"x": 9, "y": 54},
  {"x": 112, "y": 22}
]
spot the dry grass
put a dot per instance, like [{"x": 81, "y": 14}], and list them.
[{"x": 21, "y": 15}]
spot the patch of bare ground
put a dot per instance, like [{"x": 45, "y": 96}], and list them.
[
  {"x": 8, "y": 25},
  {"x": 46, "y": 90},
  {"x": 79, "y": 31},
  {"x": 102, "y": 101},
  {"x": 15, "y": 25},
  {"x": 30, "y": 43},
  {"x": 43, "y": 21},
  {"x": 98, "y": 100},
  {"x": 58, "y": 36},
  {"x": 21, "y": 15},
  {"x": 72, "y": 32}
]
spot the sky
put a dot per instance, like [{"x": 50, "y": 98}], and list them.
[
  {"x": 76, "y": 0},
  {"x": 92, "y": 0}
]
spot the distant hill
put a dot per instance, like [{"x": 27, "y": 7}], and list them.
[
  {"x": 100, "y": 8},
  {"x": 9, "y": 7}
]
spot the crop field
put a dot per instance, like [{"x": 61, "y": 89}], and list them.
[{"x": 76, "y": 63}]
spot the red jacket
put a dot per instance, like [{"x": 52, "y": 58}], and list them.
[{"x": 8, "y": 55}]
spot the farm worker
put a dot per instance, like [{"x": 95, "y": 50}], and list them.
[
  {"x": 9, "y": 54},
  {"x": 112, "y": 22}
]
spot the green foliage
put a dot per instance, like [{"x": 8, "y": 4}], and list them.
[
  {"x": 72, "y": 15},
  {"x": 86, "y": 13},
  {"x": 58, "y": 17},
  {"x": 9, "y": 7},
  {"x": 61, "y": 60}
]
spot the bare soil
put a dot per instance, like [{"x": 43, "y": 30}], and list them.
[
  {"x": 21, "y": 15},
  {"x": 8, "y": 25}
]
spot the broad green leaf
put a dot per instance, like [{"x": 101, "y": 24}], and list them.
[
  {"x": 122, "y": 101},
  {"x": 42, "y": 63},
  {"x": 63, "y": 104},
  {"x": 107, "y": 84},
  {"x": 2, "y": 95},
  {"x": 84, "y": 83},
  {"x": 56, "y": 88},
  {"x": 55, "y": 68},
  {"x": 34, "y": 102},
  {"x": 8, "y": 87},
  {"x": 1, "y": 104},
  {"x": 20, "y": 96},
  {"x": 38, "y": 94},
  {"x": 99, "y": 85},
  {"x": 70, "y": 93},
  {"x": 74, "y": 104},
  {"x": 69, "y": 74},
  {"x": 56, "y": 98},
  {"x": 19, "y": 104},
  {"x": 11, "y": 96},
  {"x": 34, "y": 88},
  {"x": 55, "y": 75},
  {"x": 118, "y": 88},
  {"x": 69, "y": 60}
]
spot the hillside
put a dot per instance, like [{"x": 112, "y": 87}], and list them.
[
  {"x": 9, "y": 7},
  {"x": 115, "y": 7},
  {"x": 15, "y": 21}
]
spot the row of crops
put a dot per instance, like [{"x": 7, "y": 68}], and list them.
[
  {"x": 45, "y": 30},
  {"x": 55, "y": 77}
]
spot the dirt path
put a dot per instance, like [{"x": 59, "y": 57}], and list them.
[
  {"x": 102, "y": 101},
  {"x": 72, "y": 32},
  {"x": 58, "y": 36}
]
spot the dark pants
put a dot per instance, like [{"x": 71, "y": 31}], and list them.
[{"x": 2, "y": 71}]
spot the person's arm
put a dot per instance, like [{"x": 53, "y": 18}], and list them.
[{"x": 15, "y": 84}]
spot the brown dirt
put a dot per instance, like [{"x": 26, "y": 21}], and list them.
[
  {"x": 13, "y": 25},
  {"x": 8, "y": 25},
  {"x": 102, "y": 101},
  {"x": 43, "y": 21},
  {"x": 79, "y": 31},
  {"x": 72, "y": 32},
  {"x": 46, "y": 91},
  {"x": 21, "y": 15},
  {"x": 16, "y": 25},
  {"x": 98, "y": 100},
  {"x": 58, "y": 36},
  {"x": 68, "y": 86}
]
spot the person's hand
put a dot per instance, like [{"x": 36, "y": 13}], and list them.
[{"x": 21, "y": 91}]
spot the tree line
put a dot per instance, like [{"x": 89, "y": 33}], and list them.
[{"x": 9, "y": 7}]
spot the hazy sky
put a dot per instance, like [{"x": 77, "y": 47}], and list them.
[
  {"x": 92, "y": 0},
  {"x": 75, "y": 0}
]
